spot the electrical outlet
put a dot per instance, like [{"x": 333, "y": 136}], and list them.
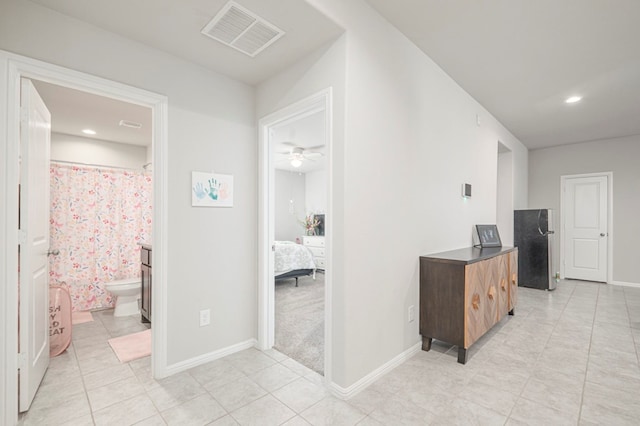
[
  {"x": 205, "y": 317},
  {"x": 412, "y": 313}
]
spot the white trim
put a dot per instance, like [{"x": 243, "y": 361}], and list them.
[
  {"x": 12, "y": 68},
  {"x": 208, "y": 357},
  {"x": 266, "y": 317},
  {"x": 369, "y": 379},
  {"x": 563, "y": 181},
  {"x": 625, "y": 284}
]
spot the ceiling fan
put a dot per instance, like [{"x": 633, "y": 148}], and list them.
[{"x": 297, "y": 155}]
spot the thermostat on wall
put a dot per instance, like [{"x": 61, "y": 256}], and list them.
[{"x": 466, "y": 190}]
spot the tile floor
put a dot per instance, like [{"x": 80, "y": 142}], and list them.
[{"x": 566, "y": 357}]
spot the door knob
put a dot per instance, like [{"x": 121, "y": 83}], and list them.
[
  {"x": 602, "y": 234},
  {"x": 53, "y": 252}
]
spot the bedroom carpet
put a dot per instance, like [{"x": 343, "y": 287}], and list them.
[{"x": 299, "y": 318}]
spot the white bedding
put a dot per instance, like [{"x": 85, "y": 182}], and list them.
[{"x": 290, "y": 256}]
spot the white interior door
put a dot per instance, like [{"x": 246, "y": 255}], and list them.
[
  {"x": 585, "y": 228},
  {"x": 33, "y": 323}
]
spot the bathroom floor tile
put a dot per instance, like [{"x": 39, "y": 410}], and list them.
[
  {"x": 175, "y": 390},
  {"x": 300, "y": 394},
  {"x": 265, "y": 411},
  {"x": 237, "y": 393},
  {"x": 201, "y": 410},
  {"x": 126, "y": 412},
  {"x": 113, "y": 393}
]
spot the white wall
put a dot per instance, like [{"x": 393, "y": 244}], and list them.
[
  {"x": 320, "y": 70},
  {"x": 504, "y": 204},
  {"x": 289, "y": 205},
  {"x": 77, "y": 149},
  {"x": 619, "y": 156},
  {"x": 404, "y": 139},
  {"x": 410, "y": 141},
  {"x": 211, "y": 252},
  {"x": 316, "y": 191}
]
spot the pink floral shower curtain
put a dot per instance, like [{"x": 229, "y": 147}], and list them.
[{"x": 98, "y": 217}]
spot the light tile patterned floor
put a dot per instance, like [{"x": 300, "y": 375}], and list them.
[{"x": 566, "y": 357}]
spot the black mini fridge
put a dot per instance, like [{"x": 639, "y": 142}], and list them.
[{"x": 533, "y": 234}]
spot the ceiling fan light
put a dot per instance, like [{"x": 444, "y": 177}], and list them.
[{"x": 296, "y": 162}]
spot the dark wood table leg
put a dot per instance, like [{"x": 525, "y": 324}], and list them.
[
  {"x": 462, "y": 355},
  {"x": 512, "y": 312},
  {"x": 426, "y": 343}
]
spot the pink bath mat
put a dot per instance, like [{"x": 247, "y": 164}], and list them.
[
  {"x": 132, "y": 346},
  {"x": 81, "y": 317}
]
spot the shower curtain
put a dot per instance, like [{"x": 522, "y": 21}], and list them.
[{"x": 98, "y": 217}]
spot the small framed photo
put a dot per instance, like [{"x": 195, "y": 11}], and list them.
[
  {"x": 488, "y": 236},
  {"x": 211, "y": 190}
]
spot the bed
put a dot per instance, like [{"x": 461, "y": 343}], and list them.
[{"x": 292, "y": 261}]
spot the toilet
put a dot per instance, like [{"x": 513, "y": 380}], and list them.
[{"x": 127, "y": 292}]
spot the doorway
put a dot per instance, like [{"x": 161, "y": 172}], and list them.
[
  {"x": 586, "y": 222},
  {"x": 276, "y": 147},
  {"x": 300, "y": 205},
  {"x": 504, "y": 194},
  {"x": 18, "y": 67}
]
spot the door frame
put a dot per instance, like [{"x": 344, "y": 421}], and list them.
[
  {"x": 266, "y": 291},
  {"x": 12, "y": 68},
  {"x": 504, "y": 193},
  {"x": 563, "y": 181}
]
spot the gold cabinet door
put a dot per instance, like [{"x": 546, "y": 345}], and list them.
[
  {"x": 481, "y": 299},
  {"x": 502, "y": 283},
  {"x": 513, "y": 279}
]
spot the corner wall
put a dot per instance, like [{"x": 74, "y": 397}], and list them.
[
  {"x": 619, "y": 156},
  {"x": 410, "y": 141}
]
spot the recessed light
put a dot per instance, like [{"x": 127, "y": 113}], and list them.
[
  {"x": 573, "y": 99},
  {"x": 89, "y": 132}
]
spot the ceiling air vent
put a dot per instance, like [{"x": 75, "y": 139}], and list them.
[{"x": 242, "y": 29}]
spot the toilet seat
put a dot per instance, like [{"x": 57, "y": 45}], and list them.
[{"x": 124, "y": 281}]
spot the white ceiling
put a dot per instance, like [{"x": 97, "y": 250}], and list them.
[
  {"x": 521, "y": 59},
  {"x": 174, "y": 26},
  {"x": 73, "y": 111}
]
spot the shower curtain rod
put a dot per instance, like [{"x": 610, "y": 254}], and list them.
[{"x": 101, "y": 166}]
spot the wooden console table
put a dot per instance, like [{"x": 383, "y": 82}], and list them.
[{"x": 465, "y": 292}]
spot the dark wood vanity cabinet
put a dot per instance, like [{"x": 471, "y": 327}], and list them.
[
  {"x": 463, "y": 293},
  {"x": 145, "y": 280}
]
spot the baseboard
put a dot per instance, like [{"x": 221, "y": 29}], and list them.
[
  {"x": 622, "y": 283},
  {"x": 208, "y": 357},
  {"x": 360, "y": 385}
]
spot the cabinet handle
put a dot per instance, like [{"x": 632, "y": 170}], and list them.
[
  {"x": 513, "y": 279},
  {"x": 491, "y": 292},
  {"x": 475, "y": 302},
  {"x": 503, "y": 284}
]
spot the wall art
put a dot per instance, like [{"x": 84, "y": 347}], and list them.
[{"x": 211, "y": 190}]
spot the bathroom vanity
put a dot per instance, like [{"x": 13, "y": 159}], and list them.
[{"x": 145, "y": 282}]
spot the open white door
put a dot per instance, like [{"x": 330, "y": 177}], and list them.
[
  {"x": 33, "y": 322},
  {"x": 585, "y": 228}
]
